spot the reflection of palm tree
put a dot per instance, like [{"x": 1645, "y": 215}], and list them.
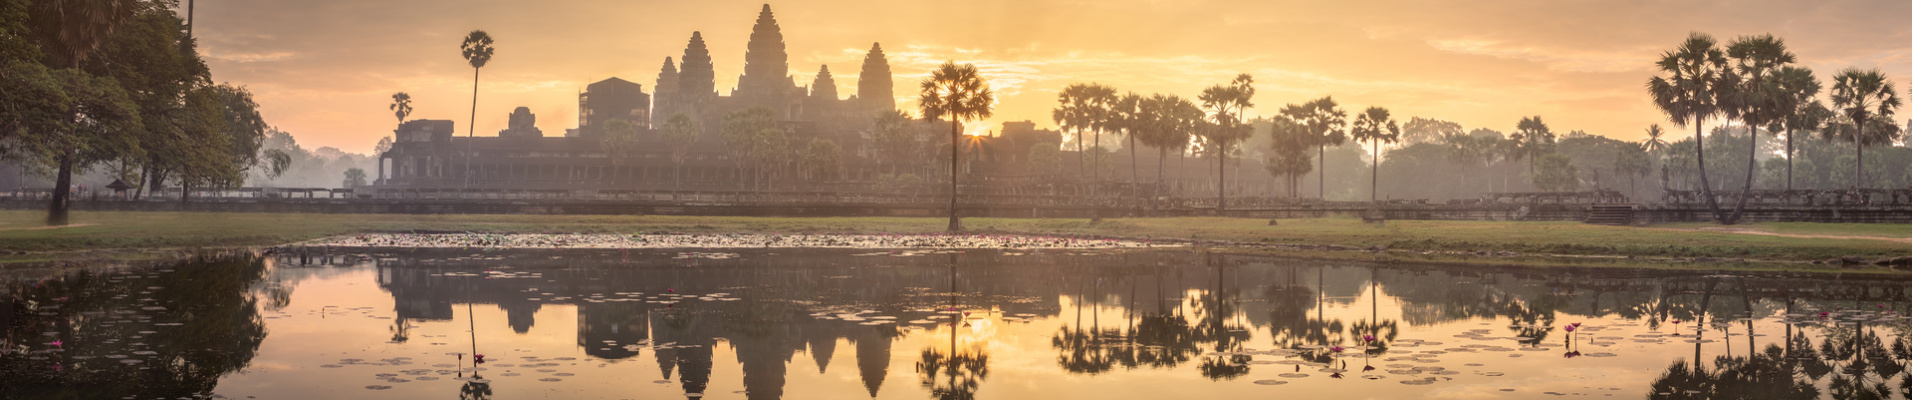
[
  {"x": 961, "y": 372},
  {"x": 474, "y": 390}
]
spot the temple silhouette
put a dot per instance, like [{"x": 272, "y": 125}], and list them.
[{"x": 430, "y": 153}]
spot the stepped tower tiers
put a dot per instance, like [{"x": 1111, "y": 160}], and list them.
[
  {"x": 696, "y": 78},
  {"x": 824, "y": 88},
  {"x": 766, "y": 79},
  {"x": 874, "y": 86},
  {"x": 664, "y": 94}
]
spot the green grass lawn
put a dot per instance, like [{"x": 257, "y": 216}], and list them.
[{"x": 22, "y": 231}]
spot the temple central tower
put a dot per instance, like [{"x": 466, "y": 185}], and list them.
[{"x": 766, "y": 80}]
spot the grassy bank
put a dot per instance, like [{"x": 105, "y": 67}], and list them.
[{"x": 97, "y": 233}]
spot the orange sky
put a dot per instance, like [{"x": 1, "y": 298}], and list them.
[{"x": 325, "y": 70}]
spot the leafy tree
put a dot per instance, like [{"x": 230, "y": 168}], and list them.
[
  {"x": 619, "y": 140},
  {"x": 384, "y": 145},
  {"x": 1428, "y": 130},
  {"x": 1759, "y": 98},
  {"x": 1377, "y": 128},
  {"x": 71, "y": 30},
  {"x": 354, "y": 177},
  {"x": 1289, "y": 143},
  {"x": 821, "y": 160},
  {"x": 753, "y": 139},
  {"x": 1228, "y": 103},
  {"x": 679, "y": 133},
  {"x": 1464, "y": 150},
  {"x": 1079, "y": 113},
  {"x": 958, "y": 93},
  {"x": 1044, "y": 158},
  {"x": 1695, "y": 76},
  {"x": 1556, "y": 174},
  {"x": 1126, "y": 117},
  {"x": 1863, "y": 96},
  {"x": 1324, "y": 121},
  {"x": 477, "y": 51},
  {"x": 898, "y": 138},
  {"x": 1654, "y": 143}
]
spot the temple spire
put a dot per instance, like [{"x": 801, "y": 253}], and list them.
[
  {"x": 874, "y": 86},
  {"x": 696, "y": 78},
  {"x": 825, "y": 86},
  {"x": 766, "y": 64}
]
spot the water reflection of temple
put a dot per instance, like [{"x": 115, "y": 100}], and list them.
[{"x": 1175, "y": 306}]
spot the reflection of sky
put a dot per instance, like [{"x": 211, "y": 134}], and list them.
[{"x": 1022, "y": 361}]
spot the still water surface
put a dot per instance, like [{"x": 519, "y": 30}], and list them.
[{"x": 844, "y": 323}]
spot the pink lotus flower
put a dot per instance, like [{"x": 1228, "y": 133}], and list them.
[
  {"x": 1367, "y": 338},
  {"x": 56, "y": 343},
  {"x": 1337, "y": 349},
  {"x": 1366, "y": 368},
  {"x": 1569, "y": 328}
]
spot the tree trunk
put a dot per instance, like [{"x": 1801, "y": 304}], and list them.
[
  {"x": 1859, "y": 163},
  {"x": 1135, "y": 178},
  {"x": 63, "y": 183},
  {"x": 1374, "y": 174},
  {"x": 471, "y": 126},
  {"x": 955, "y": 130},
  {"x": 1706, "y": 187},
  {"x": 1752, "y": 158},
  {"x": 1789, "y": 158},
  {"x": 1221, "y": 178},
  {"x": 1161, "y": 163},
  {"x": 1321, "y": 152}
]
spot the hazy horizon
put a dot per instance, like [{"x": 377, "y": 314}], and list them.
[{"x": 324, "y": 71}]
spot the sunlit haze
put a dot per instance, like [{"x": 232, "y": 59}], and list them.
[{"x": 325, "y": 70}]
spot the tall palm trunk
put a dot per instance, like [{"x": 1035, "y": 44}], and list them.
[
  {"x": 1789, "y": 157},
  {"x": 955, "y": 223},
  {"x": 1221, "y": 178},
  {"x": 1321, "y": 153},
  {"x": 1135, "y": 178},
  {"x": 1859, "y": 163},
  {"x": 1374, "y": 174},
  {"x": 1161, "y": 164},
  {"x": 1752, "y": 156},
  {"x": 471, "y": 126},
  {"x": 1706, "y": 187}
]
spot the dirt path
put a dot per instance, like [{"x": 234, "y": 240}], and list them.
[
  {"x": 1744, "y": 231},
  {"x": 35, "y": 228}
]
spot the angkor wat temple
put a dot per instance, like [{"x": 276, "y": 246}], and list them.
[{"x": 429, "y": 154}]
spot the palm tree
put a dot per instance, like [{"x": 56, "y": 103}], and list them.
[
  {"x": 1129, "y": 119},
  {"x": 958, "y": 93},
  {"x": 1375, "y": 127},
  {"x": 1863, "y": 96},
  {"x": 1759, "y": 99},
  {"x": 1324, "y": 121},
  {"x": 1807, "y": 113},
  {"x": 1228, "y": 127},
  {"x": 401, "y": 105},
  {"x": 1653, "y": 142},
  {"x": 1168, "y": 124},
  {"x": 477, "y": 51},
  {"x": 1689, "y": 93},
  {"x": 74, "y": 28},
  {"x": 1532, "y": 137},
  {"x": 1076, "y": 113}
]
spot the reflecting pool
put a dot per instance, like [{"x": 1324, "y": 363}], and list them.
[{"x": 988, "y": 324}]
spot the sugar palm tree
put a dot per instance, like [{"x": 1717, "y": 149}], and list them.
[
  {"x": 1759, "y": 99},
  {"x": 1375, "y": 127},
  {"x": 1169, "y": 125},
  {"x": 1532, "y": 138},
  {"x": 1863, "y": 96},
  {"x": 477, "y": 51},
  {"x": 401, "y": 105},
  {"x": 74, "y": 28},
  {"x": 1807, "y": 113},
  {"x": 1129, "y": 119},
  {"x": 1324, "y": 122},
  {"x": 959, "y": 93},
  {"x": 1229, "y": 103},
  {"x": 1695, "y": 75}
]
